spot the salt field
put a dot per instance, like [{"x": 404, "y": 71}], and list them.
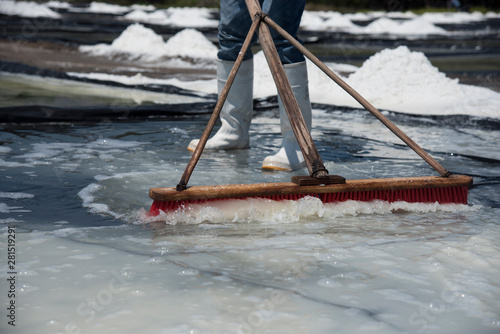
[{"x": 106, "y": 110}]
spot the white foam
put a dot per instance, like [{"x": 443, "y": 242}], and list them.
[
  {"x": 15, "y": 195},
  {"x": 46, "y": 151},
  {"x": 107, "y": 143},
  {"x": 117, "y": 176},
  {"x": 282, "y": 212},
  {"x": 8, "y": 221},
  {"x": 56, "y": 153},
  {"x": 11, "y": 164},
  {"x": 87, "y": 196},
  {"x": 4, "y": 208}
]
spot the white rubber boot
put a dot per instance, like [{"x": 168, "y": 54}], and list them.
[
  {"x": 290, "y": 157},
  {"x": 236, "y": 114}
]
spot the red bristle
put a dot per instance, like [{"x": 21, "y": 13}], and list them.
[
  {"x": 441, "y": 195},
  {"x": 445, "y": 195}
]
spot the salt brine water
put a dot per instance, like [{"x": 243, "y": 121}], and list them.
[{"x": 89, "y": 260}]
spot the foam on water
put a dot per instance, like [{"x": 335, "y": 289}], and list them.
[
  {"x": 87, "y": 197},
  {"x": 15, "y": 195},
  {"x": 265, "y": 211}
]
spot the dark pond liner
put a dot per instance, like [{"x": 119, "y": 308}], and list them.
[{"x": 37, "y": 113}]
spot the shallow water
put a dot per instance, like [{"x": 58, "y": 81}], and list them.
[
  {"x": 88, "y": 259},
  {"x": 74, "y": 198}
]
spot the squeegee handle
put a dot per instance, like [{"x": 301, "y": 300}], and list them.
[
  {"x": 424, "y": 155},
  {"x": 218, "y": 107},
  {"x": 309, "y": 151}
]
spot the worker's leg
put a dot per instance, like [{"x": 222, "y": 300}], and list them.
[
  {"x": 236, "y": 114},
  {"x": 288, "y": 14},
  {"x": 290, "y": 157}
]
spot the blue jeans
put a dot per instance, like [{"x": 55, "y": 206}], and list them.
[{"x": 235, "y": 22}]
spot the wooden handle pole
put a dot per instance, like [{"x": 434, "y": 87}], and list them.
[
  {"x": 424, "y": 155},
  {"x": 218, "y": 107},
  {"x": 306, "y": 144}
]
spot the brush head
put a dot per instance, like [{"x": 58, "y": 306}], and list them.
[{"x": 427, "y": 189}]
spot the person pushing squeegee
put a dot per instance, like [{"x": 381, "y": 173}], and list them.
[
  {"x": 236, "y": 114},
  {"x": 284, "y": 55}
]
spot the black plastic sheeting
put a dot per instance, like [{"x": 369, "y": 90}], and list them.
[{"x": 37, "y": 113}]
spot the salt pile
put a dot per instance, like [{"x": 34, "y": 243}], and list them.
[
  {"x": 176, "y": 17},
  {"x": 139, "y": 15},
  {"x": 101, "y": 7},
  {"x": 141, "y": 43},
  {"x": 394, "y": 23},
  {"x": 389, "y": 23},
  {"x": 402, "y": 80},
  {"x": 414, "y": 27},
  {"x": 58, "y": 4},
  {"x": 331, "y": 21},
  {"x": 26, "y": 9},
  {"x": 453, "y": 18}
]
